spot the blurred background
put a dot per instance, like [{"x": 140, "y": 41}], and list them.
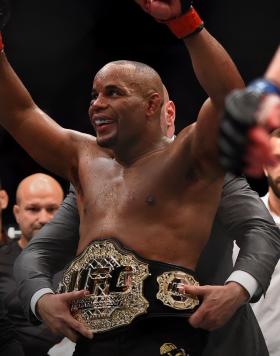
[{"x": 56, "y": 47}]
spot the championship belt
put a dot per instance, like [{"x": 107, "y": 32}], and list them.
[
  {"x": 169, "y": 290},
  {"x": 123, "y": 286}
]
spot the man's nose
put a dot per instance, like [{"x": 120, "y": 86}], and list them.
[
  {"x": 44, "y": 217},
  {"x": 99, "y": 102}
]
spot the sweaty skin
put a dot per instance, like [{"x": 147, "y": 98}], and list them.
[
  {"x": 183, "y": 177},
  {"x": 166, "y": 203},
  {"x": 149, "y": 195}
]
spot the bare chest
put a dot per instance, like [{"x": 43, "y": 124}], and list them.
[
  {"x": 107, "y": 187},
  {"x": 148, "y": 188},
  {"x": 136, "y": 204}
]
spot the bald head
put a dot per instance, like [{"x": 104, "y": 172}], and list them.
[
  {"x": 129, "y": 95},
  {"x": 37, "y": 199},
  {"x": 137, "y": 76},
  {"x": 140, "y": 75},
  {"x": 38, "y": 184}
]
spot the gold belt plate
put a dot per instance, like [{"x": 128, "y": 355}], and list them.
[
  {"x": 169, "y": 290},
  {"x": 114, "y": 278}
]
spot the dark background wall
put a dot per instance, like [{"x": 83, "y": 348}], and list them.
[{"x": 56, "y": 46}]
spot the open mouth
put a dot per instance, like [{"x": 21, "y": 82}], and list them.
[{"x": 103, "y": 124}]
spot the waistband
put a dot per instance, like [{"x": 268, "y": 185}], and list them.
[{"x": 125, "y": 287}]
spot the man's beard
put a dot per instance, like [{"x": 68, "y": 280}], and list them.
[
  {"x": 274, "y": 185},
  {"x": 109, "y": 143}
]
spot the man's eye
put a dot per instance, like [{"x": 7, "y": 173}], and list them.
[
  {"x": 94, "y": 96},
  {"x": 52, "y": 210},
  {"x": 33, "y": 209},
  {"x": 113, "y": 92}
]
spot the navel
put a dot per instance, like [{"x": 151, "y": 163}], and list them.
[{"x": 150, "y": 200}]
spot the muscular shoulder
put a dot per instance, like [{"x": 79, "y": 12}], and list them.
[
  {"x": 85, "y": 142},
  {"x": 184, "y": 143},
  {"x": 184, "y": 138},
  {"x": 81, "y": 137},
  {"x": 186, "y": 133}
]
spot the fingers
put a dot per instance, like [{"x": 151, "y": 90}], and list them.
[
  {"x": 219, "y": 303},
  {"x": 70, "y": 334},
  {"x": 160, "y": 10},
  {"x": 206, "y": 316},
  {"x": 196, "y": 320},
  {"x": 71, "y": 322},
  {"x": 204, "y": 320},
  {"x": 269, "y": 112},
  {"x": 72, "y": 329},
  {"x": 57, "y": 315},
  {"x": 144, "y": 4},
  {"x": 193, "y": 290},
  {"x": 259, "y": 152},
  {"x": 68, "y": 326},
  {"x": 201, "y": 317},
  {"x": 70, "y": 296},
  {"x": 77, "y": 327}
]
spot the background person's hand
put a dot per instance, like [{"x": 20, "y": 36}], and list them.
[
  {"x": 54, "y": 311},
  {"x": 219, "y": 303}
]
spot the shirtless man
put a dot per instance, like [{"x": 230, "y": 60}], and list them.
[{"x": 146, "y": 198}]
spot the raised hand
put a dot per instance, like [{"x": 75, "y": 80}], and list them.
[
  {"x": 164, "y": 10},
  {"x": 178, "y": 15},
  {"x": 54, "y": 310}
]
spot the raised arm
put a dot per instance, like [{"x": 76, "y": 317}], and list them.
[
  {"x": 49, "y": 144},
  {"x": 212, "y": 66}
]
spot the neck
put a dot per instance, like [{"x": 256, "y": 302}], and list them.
[
  {"x": 22, "y": 242},
  {"x": 127, "y": 157},
  {"x": 273, "y": 202}
]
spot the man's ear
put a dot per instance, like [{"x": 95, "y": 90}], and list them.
[
  {"x": 4, "y": 199},
  {"x": 265, "y": 171},
  {"x": 16, "y": 212},
  {"x": 154, "y": 104},
  {"x": 170, "y": 113}
]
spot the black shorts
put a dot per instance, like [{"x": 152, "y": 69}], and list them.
[{"x": 153, "y": 337}]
